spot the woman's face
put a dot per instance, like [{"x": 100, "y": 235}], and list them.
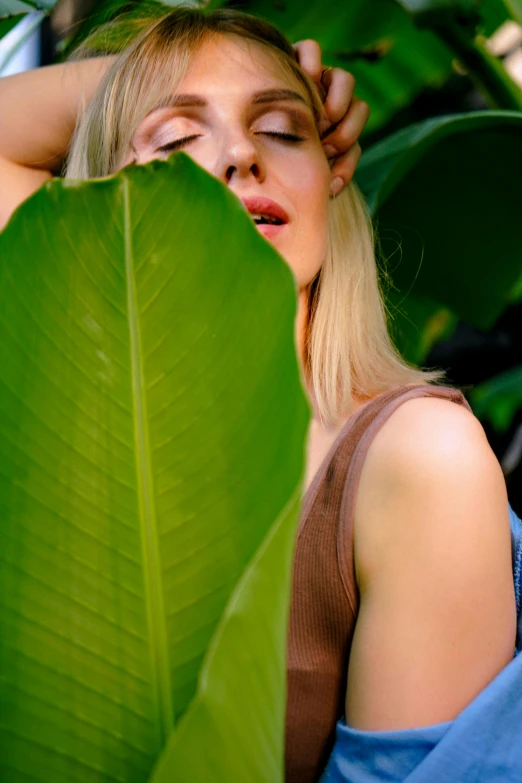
[{"x": 238, "y": 116}]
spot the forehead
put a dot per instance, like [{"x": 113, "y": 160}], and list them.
[
  {"x": 224, "y": 70},
  {"x": 229, "y": 62}
]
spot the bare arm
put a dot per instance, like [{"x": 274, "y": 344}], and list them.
[
  {"x": 39, "y": 110},
  {"x": 437, "y": 617}
]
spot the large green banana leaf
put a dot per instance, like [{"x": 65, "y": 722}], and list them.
[
  {"x": 445, "y": 194},
  {"x": 152, "y": 424}
]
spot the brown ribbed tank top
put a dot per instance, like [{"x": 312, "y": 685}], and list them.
[{"x": 324, "y": 594}]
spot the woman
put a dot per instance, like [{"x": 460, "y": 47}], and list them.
[{"x": 403, "y": 607}]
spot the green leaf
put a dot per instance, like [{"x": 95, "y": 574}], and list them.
[
  {"x": 493, "y": 14},
  {"x": 152, "y": 425},
  {"x": 234, "y": 720},
  {"x": 417, "y": 323},
  {"x": 446, "y": 199},
  {"x": 7, "y": 24},
  {"x": 16, "y": 7},
  {"x": 499, "y": 398},
  {"x": 515, "y": 9},
  {"x": 435, "y": 11}
]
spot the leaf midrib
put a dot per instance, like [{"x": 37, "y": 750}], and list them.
[{"x": 160, "y": 669}]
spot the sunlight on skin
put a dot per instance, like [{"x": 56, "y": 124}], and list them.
[{"x": 259, "y": 145}]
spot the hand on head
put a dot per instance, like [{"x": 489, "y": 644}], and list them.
[{"x": 345, "y": 114}]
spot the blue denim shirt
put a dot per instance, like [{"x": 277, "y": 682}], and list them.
[{"x": 482, "y": 745}]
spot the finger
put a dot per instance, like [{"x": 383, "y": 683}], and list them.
[
  {"x": 340, "y": 87},
  {"x": 309, "y": 58},
  {"x": 348, "y": 130},
  {"x": 344, "y": 167}
]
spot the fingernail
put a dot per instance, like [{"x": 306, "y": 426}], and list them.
[
  {"x": 330, "y": 150},
  {"x": 337, "y": 185}
]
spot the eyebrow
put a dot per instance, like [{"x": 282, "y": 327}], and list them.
[
  {"x": 270, "y": 96},
  {"x": 264, "y": 96}
]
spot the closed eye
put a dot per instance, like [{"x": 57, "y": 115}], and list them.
[
  {"x": 291, "y": 137},
  {"x": 177, "y": 143}
]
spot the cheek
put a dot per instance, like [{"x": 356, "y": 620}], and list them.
[
  {"x": 312, "y": 192},
  {"x": 311, "y": 186},
  {"x": 308, "y": 189}
]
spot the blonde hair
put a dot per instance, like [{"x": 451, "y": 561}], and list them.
[{"x": 348, "y": 350}]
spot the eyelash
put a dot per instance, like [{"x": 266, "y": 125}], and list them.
[
  {"x": 284, "y": 136},
  {"x": 174, "y": 145}
]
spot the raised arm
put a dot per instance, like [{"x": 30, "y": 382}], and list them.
[{"x": 39, "y": 110}]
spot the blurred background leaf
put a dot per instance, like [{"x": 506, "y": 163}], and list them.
[
  {"x": 446, "y": 211},
  {"x": 515, "y": 9},
  {"x": 8, "y": 23},
  {"x": 499, "y": 398}
]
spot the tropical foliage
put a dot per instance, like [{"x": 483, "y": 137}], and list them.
[
  {"x": 152, "y": 418},
  {"x": 443, "y": 213}
]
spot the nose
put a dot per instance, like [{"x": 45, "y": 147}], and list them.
[{"x": 240, "y": 158}]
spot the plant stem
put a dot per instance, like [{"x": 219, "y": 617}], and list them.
[{"x": 486, "y": 70}]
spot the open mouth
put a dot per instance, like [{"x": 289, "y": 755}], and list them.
[
  {"x": 269, "y": 216},
  {"x": 266, "y": 220}
]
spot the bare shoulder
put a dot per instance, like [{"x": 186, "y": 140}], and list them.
[
  {"x": 430, "y": 462},
  {"x": 432, "y": 547},
  {"x": 427, "y": 433}
]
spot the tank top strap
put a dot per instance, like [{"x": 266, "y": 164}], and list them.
[{"x": 365, "y": 424}]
